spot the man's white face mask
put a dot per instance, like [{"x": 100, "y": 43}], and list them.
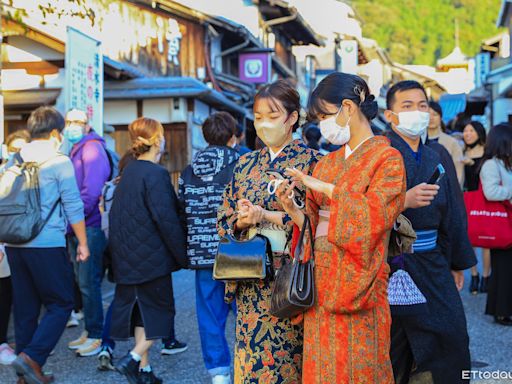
[{"x": 412, "y": 124}]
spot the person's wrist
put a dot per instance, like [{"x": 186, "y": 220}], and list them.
[{"x": 327, "y": 189}]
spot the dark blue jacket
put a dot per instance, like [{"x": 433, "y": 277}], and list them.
[{"x": 146, "y": 237}]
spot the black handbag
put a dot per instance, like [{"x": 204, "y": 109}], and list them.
[
  {"x": 294, "y": 286},
  {"x": 241, "y": 260}
]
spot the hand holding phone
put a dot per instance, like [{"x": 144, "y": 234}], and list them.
[{"x": 437, "y": 175}]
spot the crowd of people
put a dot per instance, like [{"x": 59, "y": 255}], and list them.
[{"x": 124, "y": 219}]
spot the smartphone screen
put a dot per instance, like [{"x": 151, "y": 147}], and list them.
[
  {"x": 437, "y": 175},
  {"x": 276, "y": 173}
]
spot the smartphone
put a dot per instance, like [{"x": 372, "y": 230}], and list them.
[
  {"x": 437, "y": 175},
  {"x": 278, "y": 174}
]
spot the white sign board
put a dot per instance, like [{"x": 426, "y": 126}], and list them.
[
  {"x": 349, "y": 55},
  {"x": 84, "y": 77},
  {"x": 2, "y": 138}
]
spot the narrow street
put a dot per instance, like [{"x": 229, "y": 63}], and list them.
[{"x": 491, "y": 345}]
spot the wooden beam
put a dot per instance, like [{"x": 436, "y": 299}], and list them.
[
  {"x": 12, "y": 28},
  {"x": 35, "y": 67}
]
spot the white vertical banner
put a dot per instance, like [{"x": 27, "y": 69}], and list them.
[
  {"x": 2, "y": 138},
  {"x": 84, "y": 77},
  {"x": 349, "y": 56}
]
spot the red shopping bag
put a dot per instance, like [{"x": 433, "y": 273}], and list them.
[{"x": 489, "y": 222}]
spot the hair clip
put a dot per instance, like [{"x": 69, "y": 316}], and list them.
[
  {"x": 144, "y": 141},
  {"x": 361, "y": 93}
]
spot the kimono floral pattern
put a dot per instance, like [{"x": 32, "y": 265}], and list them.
[
  {"x": 268, "y": 350},
  {"x": 347, "y": 332}
]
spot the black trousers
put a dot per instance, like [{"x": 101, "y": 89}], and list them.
[
  {"x": 5, "y": 307},
  {"x": 499, "y": 296},
  {"x": 40, "y": 276}
]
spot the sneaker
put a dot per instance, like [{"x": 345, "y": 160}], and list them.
[
  {"x": 149, "y": 378},
  {"x": 221, "y": 379},
  {"x": 173, "y": 347},
  {"x": 75, "y": 344},
  {"x": 90, "y": 348},
  {"x": 129, "y": 368},
  {"x": 73, "y": 321},
  {"x": 78, "y": 315},
  {"x": 105, "y": 359},
  {"x": 7, "y": 355}
]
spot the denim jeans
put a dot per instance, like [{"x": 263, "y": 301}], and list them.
[
  {"x": 212, "y": 313},
  {"x": 40, "y": 276},
  {"x": 88, "y": 276},
  {"x": 106, "y": 341}
]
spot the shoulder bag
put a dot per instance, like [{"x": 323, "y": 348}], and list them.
[{"x": 294, "y": 286}]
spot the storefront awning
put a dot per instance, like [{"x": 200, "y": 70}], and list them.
[
  {"x": 452, "y": 104},
  {"x": 164, "y": 87}
]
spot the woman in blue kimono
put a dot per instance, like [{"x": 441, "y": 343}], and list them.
[{"x": 267, "y": 349}]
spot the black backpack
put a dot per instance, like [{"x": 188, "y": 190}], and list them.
[{"x": 20, "y": 203}]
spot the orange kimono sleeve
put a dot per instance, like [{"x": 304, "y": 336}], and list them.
[{"x": 359, "y": 225}]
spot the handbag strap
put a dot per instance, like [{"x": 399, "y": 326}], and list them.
[{"x": 299, "y": 248}]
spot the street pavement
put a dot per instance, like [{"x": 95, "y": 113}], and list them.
[{"x": 491, "y": 345}]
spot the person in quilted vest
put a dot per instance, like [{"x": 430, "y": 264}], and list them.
[{"x": 147, "y": 243}]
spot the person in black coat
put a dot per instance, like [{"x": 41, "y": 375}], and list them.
[{"x": 147, "y": 243}]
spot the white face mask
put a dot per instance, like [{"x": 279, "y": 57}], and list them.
[
  {"x": 162, "y": 145},
  {"x": 333, "y": 132},
  {"x": 412, "y": 124}
]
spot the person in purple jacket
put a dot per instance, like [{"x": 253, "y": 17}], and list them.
[{"x": 92, "y": 169}]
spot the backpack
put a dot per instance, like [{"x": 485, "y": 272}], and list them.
[
  {"x": 20, "y": 203},
  {"x": 113, "y": 162},
  {"x": 107, "y": 197}
]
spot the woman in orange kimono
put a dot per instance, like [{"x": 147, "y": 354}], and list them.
[{"x": 354, "y": 196}]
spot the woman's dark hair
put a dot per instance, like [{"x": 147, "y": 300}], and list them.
[
  {"x": 219, "y": 128},
  {"x": 499, "y": 144},
  {"x": 126, "y": 159},
  {"x": 402, "y": 86},
  {"x": 283, "y": 92},
  {"x": 459, "y": 122},
  {"x": 312, "y": 135},
  {"x": 437, "y": 108},
  {"x": 480, "y": 131},
  {"x": 22, "y": 134},
  {"x": 339, "y": 86},
  {"x": 43, "y": 121}
]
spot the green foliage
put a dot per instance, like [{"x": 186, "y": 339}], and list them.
[
  {"x": 422, "y": 31},
  {"x": 80, "y": 9}
]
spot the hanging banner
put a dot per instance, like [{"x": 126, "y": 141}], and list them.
[
  {"x": 84, "y": 77},
  {"x": 349, "y": 56},
  {"x": 2, "y": 138},
  {"x": 482, "y": 68}
]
